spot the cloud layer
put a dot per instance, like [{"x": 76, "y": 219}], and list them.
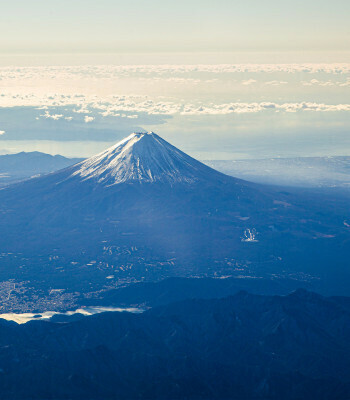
[
  {"x": 104, "y": 103},
  {"x": 107, "y": 71},
  {"x": 131, "y": 106}
]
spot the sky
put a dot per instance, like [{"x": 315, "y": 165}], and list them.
[
  {"x": 220, "y": 79},
  {"x": 90, "y": 26}
]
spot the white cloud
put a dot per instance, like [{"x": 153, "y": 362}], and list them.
[
  {"x": 316, "y": 82},
  {"x": 86, "y": 76},
  {"x": 88, "y": 119},
  {"x": 52, "y": 116},
  {"x": 87, "y": 89},
  {"x": 81, "y": 110},
  {"x": 240, "y": 108},
  {"x": 2, "y": 132},
  {"x": 248, "y": 82},
  {"x": 276, "y": 83},
  {"x": 69, "y": 72},
  {"x": 132, "y": 106}
]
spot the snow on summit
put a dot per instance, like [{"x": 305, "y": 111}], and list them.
[{"x": 143, "y": 157}]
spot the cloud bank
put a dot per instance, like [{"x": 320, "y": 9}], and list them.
[
  {"x": 118, "y": 106},
  {"x": 107, "y": 71}
]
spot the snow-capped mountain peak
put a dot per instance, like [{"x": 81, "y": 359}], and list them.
[{"x": 143, "y": 157}]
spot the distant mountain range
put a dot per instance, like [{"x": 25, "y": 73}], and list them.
[
  {"x": 240, "y": 347},
  {"x": 19, "y": 166}
]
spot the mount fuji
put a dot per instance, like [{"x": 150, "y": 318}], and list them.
[
  {"x": 144, "y": 210},
  {"x": 144, "y": 158}
]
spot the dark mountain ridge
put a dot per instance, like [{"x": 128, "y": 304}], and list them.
[{"x": 241, "y": 347}]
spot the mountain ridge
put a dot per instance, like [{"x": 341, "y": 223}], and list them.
[
  {"x": 239, "y": 347},
  {"x": 24, "y": 165}
]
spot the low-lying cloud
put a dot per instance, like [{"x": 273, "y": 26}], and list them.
[
  {"x": 122, "y": 106},
  {"x": 108, "y": 71}
]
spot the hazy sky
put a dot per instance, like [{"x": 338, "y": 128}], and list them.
[
  {"x": 104, "y": 26},
  {"x": 218, "y": 78}
]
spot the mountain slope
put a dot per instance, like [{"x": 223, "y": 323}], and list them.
[{"x": 143, "y": 210}]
